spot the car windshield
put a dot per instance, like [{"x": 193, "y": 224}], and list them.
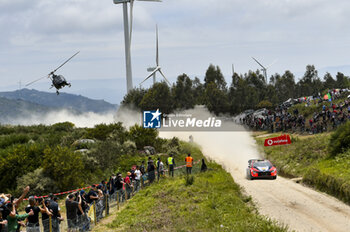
[{"x": 262, "y": 164}]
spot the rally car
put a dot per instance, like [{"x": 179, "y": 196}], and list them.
[{"x": 258, "y": 168}]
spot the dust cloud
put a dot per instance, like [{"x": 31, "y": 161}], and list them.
[
  {"x": 232, "y": 149},
  {"x": 89, "y": 119}
]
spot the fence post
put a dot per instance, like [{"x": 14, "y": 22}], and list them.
[
  {"x": 141, "y": 182},
  {"x": 118, "y": 200},
  {"x": 50, "y": 223},
  {"x": 133, "y": 190},
  {"x": 95, "y": 212},
  {"x": 126, "y": 195},
  {"x": 106, "y": 205}
]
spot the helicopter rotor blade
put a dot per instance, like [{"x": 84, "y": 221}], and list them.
[
  {"x": 64, "y": 63},
  {"x": 37, "y": 80}
]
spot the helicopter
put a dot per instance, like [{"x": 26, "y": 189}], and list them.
[{"x": 58, "y": 81}]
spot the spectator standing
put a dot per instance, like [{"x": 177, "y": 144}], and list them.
[
  {"x": 138, "y": 175},
  {"x": 56, "y": 213},
  {"x": 142, "y": 168},
  {"x": 33, "y": 220},
  {"x": 45, "y": 216},
  {"x": 12, "y": 218},
  {"x": 171, "y": 164},
  {"x": 72, "y": 208},
  {"x": 119, "y": 186},
  {"x": 128, "y": 185},
  {"x": 204, "y": 166},
  {"x": 189, "y": 164},
  {"x": 92, "y": 195},
  {"x": 151, "y": 171}
]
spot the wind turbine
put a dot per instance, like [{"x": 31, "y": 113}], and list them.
[
  {"x": 127, "y": 37},
  {"x": 157, "y": 68},
  {"x": 263, "y": 68}
]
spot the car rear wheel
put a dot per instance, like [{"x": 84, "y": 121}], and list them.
[{"x": 274, "y": 177}]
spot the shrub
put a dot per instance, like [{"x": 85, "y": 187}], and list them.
[
  {"x": 64, "y": 166},
  {"x": 38, "y": 182},
  {"x": 142, "y": 136},
  {"x": 340, "y": 140},
  {"x": 189, "y": 180}
]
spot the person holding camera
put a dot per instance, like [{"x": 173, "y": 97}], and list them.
[
  {"x": 33, "y": 220},
  {"x": 72, "y": 208}
]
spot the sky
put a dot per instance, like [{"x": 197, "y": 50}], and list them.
[{"x": 38, "y": 35}]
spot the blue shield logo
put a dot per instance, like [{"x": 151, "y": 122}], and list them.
[{"x": 152, "y": 119}]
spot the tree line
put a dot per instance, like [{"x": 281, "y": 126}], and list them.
[{"x": 246, "y": 91}]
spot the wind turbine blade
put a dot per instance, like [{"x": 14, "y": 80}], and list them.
[
  {"x": 155, "y": 70},
  {"x": 157, "y": 51},
  {"x": 164, "y": 77},
  {"x": 36, "y": 80},
  {"x": 272, "y": 64},
  {"x": 64, "y": 62},
  {"x": 258, "y": 63},
  {"x": 131, "y": 18}
]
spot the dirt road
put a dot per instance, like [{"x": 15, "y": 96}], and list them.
[{"x": 301, "y": 208}]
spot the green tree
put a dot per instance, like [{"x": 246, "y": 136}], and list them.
[
  {"x": 134, "y": 98},
  {"x": 214, "y": 75},
  {"x": 142, "y": 136},
  {"x": 285, "y": 86},
  {"x": 182, "y": 93},
  {"x": 329, "y": 82},
  {"x": 198, "y": 91},
  {"x": 158, "y": 97},
  {"x": 342, "y": 81},
  {"x": 216, "y": 99}
]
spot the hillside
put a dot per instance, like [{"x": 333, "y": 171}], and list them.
[
  {"x": 213, "y": 202},
  {"x": 309, "y": 157},
  {"x": 63, "y": 100},
  {"x": 11, "y": 109}
]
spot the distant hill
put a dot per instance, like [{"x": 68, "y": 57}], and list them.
[
  {"x": 47, "y": 101},
  {"x": 11, "y": 109}
]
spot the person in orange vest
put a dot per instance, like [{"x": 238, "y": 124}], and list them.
[{"x": 189, "y": 163}]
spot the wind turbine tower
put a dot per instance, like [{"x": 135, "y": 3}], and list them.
[{"x": 127, "y": 37}]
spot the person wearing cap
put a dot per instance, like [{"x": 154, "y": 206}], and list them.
[{"x": 128, "y": 184}]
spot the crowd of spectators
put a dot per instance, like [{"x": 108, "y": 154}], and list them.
[
  {"x": 82, "y": 207},
  {"x": 281, "y": 118}
]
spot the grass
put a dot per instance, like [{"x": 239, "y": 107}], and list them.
[
  {"x": 308, "y": 157},
  {"x": 213, "y": 202}
]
